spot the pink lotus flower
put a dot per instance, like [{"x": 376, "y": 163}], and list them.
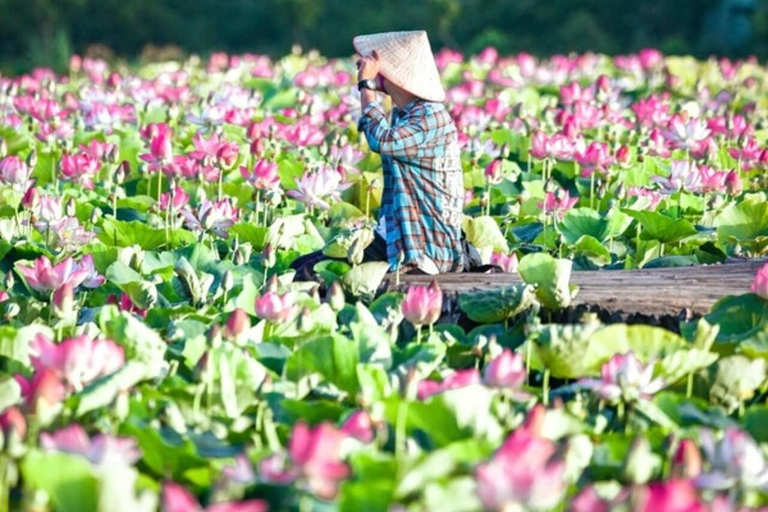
[
  {"x": 539, "y": 143},
  {"x": 160, "y": 149},
  {"x": 670, "y": 496},
  {"x": 317, "y": 188},
  {"x": 733, "y": 183},
  {"x": 524, "y": 474},
  {"x": 749, "y": 153},
  {"x": 760, "y": 284},
  {"x": 423, "y": 304},
  {"x": 596, "y": 157},
  {"x": 458, "y": 379},
  {"x": 13, "y": 420},
  {"x": 657, "y": 145},
  {"x": 237, "y": 323},
  {"x": 686, "y": 133},
  {"x": 683, "y": 175},
  {"x": 124, "y": 303},
  {"x": 178, "y": 200},
  {"x": 43, "y": 392},
  {"x": 276, "y": 308},
  {"x": 78, "y": 361},
  {"x": 711, "y": 180},
  {"x": 215, "y": 149},
  {"x": 736, "y": 460},
  {"x": 45, "y": 277},
  {"x": 507, "y": 262},
  {"x": 178, "y": 499},
  {"x": 80, "y": 168},
  {"x": 15, "y": 172},
  {"x": 359, "y": 426},
  {"x": 212, "y": 216},
  {"x": 624, "y": 378},
  {"x": 686, "y": 462},
  {"x": 98, "y": 150},
  {"x": 651, "y": 111},
  {"x": 100, "y": 449},
  {"x": 507, "y": 370},
  {"x": 315, "y": 459},
  {"x": 92, "y": 277},
  {"x": 557, "y": 203},
  {"x": 493, "y": 172},
  {"x": 264, "y": 175},
  {"x": 653, "y": 197}
]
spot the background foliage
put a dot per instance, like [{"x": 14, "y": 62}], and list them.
[{"x": 34, "y": 32}]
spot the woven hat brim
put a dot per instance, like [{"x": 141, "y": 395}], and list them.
[{"x": 406, "y": 60}]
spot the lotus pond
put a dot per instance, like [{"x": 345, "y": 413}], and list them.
[{"x": 157, "y": 352}]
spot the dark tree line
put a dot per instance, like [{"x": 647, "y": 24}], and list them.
[{"x": 36, "y": 32}]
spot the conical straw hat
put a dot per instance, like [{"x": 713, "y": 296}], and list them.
[{"x": 406, "y": 60}]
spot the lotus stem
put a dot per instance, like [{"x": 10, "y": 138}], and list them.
[
  {"x": 689, "y": 386},
  {"x": 528, "y": 362},
  {"x": 545, "y": 388},
  {"x": 400, "y": 430},
  {"x": 159, "y": 184},
  {"x": 418, "y": 335}
]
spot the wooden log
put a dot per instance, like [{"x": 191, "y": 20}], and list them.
[{"x": 663, "y": 291}]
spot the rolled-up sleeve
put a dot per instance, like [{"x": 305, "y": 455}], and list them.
[{"x": 400, "y": 141}]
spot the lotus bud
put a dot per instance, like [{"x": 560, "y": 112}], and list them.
[
  {"x": 9, "y": 280},
  {"x": 95, "y": 215},
  {"x": 305, "y": 321},
  {"x": 64, "y": 300},
  {"x": 238, "y": 258},
  {"x": 641, "y": 462},
  {"x": 244, "y": 251},
  {"x": 733, "y": 182},
  {"x": 237, "y": 323},
  {"x": 13, "y": 423},
  {"x": 227, "y": 281},
  {"x": 70, "y": 209},
  {"x": 356, "y": 252},
  {"x": 122, "y": 172},
  {"x": 335, "y": 297},
  {"x": 32, "y": 159},
  {"x": 3, "y": 148},
  {"x": 11, "y": 310},
  {"x": 686, "y": 462},
  {"x": 31, "y": 199},
  {"x": 271, "y": 285},
  {"x": 534, "y": 422},
  {"x": 504, "y": 152},
  {"x": 621, "y": 192},
  {"x": 603, "y": 83},
  {"x": 269, "y": 257},
  {"x": 493, "y": 172},
  {"x": 314, "y": 294}
]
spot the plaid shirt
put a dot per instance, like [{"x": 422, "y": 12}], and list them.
[{"x": 423, "y": 182}]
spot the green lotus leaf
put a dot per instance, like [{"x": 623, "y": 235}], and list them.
[
  {"x": 364, "y": 279},
  {"x": 745, "y": 223},
  {"x": 591, "y": 248},
  {"x": 497, "y": 304},
  {"x": 484, "y": 233},
  {"x": 67, "y": 479},
  {"x": 585, "y": 221},
  {"x": 550, "y": 276},
  {"x": 657, "y": 226},
  {"x": 736, "y": 380}
]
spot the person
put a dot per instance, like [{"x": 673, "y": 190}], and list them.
[
  {"x": 421, "y": 208},
  {"x": 419, "y": 230}
]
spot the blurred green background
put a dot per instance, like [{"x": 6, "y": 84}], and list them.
[{"x": 46, "y": 32}]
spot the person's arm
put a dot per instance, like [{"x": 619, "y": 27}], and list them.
[{"x": 401, "y": 141}]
